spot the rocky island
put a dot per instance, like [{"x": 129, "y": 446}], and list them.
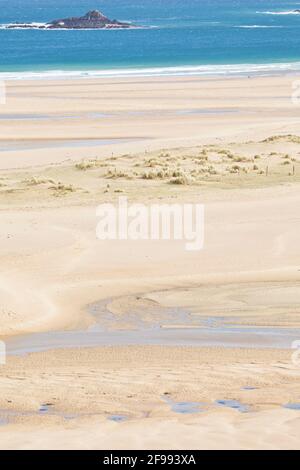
[{"x": 92, "y": 20}]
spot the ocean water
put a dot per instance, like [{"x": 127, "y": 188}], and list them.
[{"x": 190, "y": 36}]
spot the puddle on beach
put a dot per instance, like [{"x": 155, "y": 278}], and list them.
[
  {"x": 208, "y": 111},
  {"x": 44, "y": 117},
  {"x": 48, "y": 409},
  {"x": 234, "y": 404},
  {"x": 106, "y": 115},
  {"x": 292, "y": 406},
  {"x": 45, "y": 409},
  {"x": 187, "y": 407},
  {"x": 184, "y": 407},
  {"x": 13, "y": 145},
  {"x": 248, "y": 388},
  {"x": 52, "y": 117},
  {"x": 23, "y": 117},
  {"x": 117, "y": 418}
]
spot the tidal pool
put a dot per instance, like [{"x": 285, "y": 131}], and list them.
[
  {"x": 117, "y": 418},
  {"x": 236, "y": 405},
  {"x": 183, "y": 407},
  {"x": 292, "y": 406}
]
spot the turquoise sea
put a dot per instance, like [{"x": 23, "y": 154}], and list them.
[{"x": 177, "y": 37}]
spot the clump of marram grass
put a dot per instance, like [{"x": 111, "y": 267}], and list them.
[
  {"x": 203, "y": 157},
  {"x": 257, "y": 157},
  {"x": 84, "y": 165},
  {"x": 115, "y": 174},
  {"x": 99, "y": 164},
  {"x": 295, "y": 139},
  {"x": 240, "y": 159},
  {"x": 212, "y": 171},
  {"x": 61, "y": 188},
  {"x": 33, "y": 181},
  {"x": 164, "y": 155},
  {"x": 149, "y": 175},
  {"x": 171, "y": 159},
  {"x": 202, "y": 171},
  {"x": 155, "y": 174},
  {"x": 235, "y": 169},
  {"x": 177, "y": 173},
  {"x": 202, "y": 161},
  {"x": 273, "y": 138},
  {"x": 153, "y": 162},
  {"x": 226, "y": 153},
  {"x": 89, "y": 164},
  {"x": 181, "y": 178}
]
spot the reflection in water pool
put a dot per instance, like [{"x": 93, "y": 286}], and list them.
[
  {"x": 163, "y": 329},
  {"x": 183, "y": 407},
  {"x": 117, "y": 418},
  {"x": 236, "y": 405},
  {"x": 292, "y": 406},
  {"x": 13, "y": 145}
]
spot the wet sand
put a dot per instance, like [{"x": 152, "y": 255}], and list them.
[
  {"x": 165, "y": 112},
  {"x": 172, "y": 327},
  {"x": 150, "y": 397}
]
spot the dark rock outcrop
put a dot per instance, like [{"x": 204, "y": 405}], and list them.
[{"x": 92, "y": 20}]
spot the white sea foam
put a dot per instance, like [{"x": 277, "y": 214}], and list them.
[
  {"x": 286, "y": 12},
  {"x": 200, "y": 70},
  {"x": 257, "y": 26},
  {"x": 46, "y": 27},
  {"x": 23, "y": 25}
]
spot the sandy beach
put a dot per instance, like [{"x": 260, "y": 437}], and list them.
[
  {"x": 150, "y": 397},
  {"x": 67, "y": 146}
]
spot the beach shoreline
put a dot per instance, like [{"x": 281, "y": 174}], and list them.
[{"x": 209, "y": 71}]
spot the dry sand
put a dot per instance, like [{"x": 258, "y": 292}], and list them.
[{"x": 230, "y": 144}]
